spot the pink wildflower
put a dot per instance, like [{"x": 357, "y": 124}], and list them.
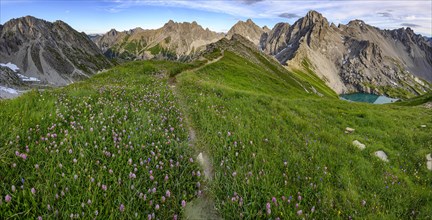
[
  {"x": 268, "y": 208},
  {"x": 8, "y": 198}
]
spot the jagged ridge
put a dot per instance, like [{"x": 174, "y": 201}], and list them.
[
  {"x": 355, "y": 57},
  {"x": 172, "y": 41},
  {"x": 54, "y": 53}
]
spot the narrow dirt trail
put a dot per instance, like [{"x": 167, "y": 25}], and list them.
[{"x": 202, "y": 207}]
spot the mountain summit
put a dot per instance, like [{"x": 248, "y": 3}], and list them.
[
  {"x": 53, "y": 53},
  {"x": 172, "y": 41},
  {"x": 247, "y": 29},
  {"x": 355, "y": 57}
]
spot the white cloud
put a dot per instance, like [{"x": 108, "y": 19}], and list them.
[
  {"x": 227, "y": 7},
  {"x": 383, "y": 14}
]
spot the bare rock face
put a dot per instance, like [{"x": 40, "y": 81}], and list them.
[
  {"x": 53, "y": 53},
  {"x": 248, "y": 30},
  {"x": 172, "y": 41},
  {"x": 9, "y": 78},
  {"x": 274, "y": 40},
  {"x": 355, "y": 57}
]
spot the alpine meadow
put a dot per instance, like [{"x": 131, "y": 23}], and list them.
[{"x": 183, "y": 122}]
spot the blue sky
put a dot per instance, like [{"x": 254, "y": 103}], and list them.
[{"x": 100, "y": 16}]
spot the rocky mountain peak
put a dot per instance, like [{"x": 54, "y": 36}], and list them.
[
  {"x": 170, "y": 23},
  {"x": 112, "y": 32},
  {"x": 314, "y": 17},
  {"x": 54, "y": 53},
  {"x": 30, "y": 20},
  {"x": 247, "y": 29},
  {"x": 351, "y": 57},
  {"x": 266, "y": 29},
  {"x": 26, "y": 25},
  {"x": 175, "y": 40}
]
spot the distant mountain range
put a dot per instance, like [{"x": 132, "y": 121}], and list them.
[
  {"x": 355, "y": 57},
  {"x": 172, "y": 41}
]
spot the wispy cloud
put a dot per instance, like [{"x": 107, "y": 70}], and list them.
[
  {"x": 392, "y": 16},
  {"x": 10, "y": 2},
  {"x": 385, "y": 14},
  {"x": 250, "y": 2},
  {"x": 289, "y": 15},
  {"x": 410, "y": 25},
  {"x": 228, "y": 7}
]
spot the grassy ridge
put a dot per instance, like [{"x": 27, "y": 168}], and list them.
[
  {"x": 112, "y": 147},
  {"x": 416, "y": 100},
  {"x": 279, "y": 152},
  {"x": 115, "y": 146}
]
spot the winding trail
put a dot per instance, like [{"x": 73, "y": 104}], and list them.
[{"x": 202, "y": 207}]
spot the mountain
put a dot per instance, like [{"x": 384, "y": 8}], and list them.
[
  {"x": 48, "y": 53},
  {"x": 249, "y": 30},
  {"x": 429, "y": 40},
  {"x": 172, "y": 41},
  {"x": 93, "y": 36},
  {"x": 355, "y": 57},
  {"x": 261, "y": 71}
]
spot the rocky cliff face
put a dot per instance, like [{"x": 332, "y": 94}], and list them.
[
  {"x": 172, "y": 41},
  {"x": 248, "y": 30},
  {"x": 355, "y": 57},
  {"x": 48, "y": 53}
]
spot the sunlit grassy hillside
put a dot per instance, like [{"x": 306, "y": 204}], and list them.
[
  {"x": 286, "y": 155},
  {"x": 117, "y": 146},
  {"x": 111, "y": 147}
]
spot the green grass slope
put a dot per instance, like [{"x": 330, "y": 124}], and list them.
[
  {"x": 422, "y": 99},
  {"x": 279, "y": 152},
  {"x": 112, "y": 147},
  {"x": 116, "y": 146}
]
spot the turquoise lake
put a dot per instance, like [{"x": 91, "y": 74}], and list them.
[{"x": 369, "y": 98}]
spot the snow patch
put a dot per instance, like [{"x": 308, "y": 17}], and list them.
[
  {"x": 28, "y": 79},
  {"x": 10, "y": 65},
  {"x": 8, "y": 90},
  {"x": 283, "y": 50}
]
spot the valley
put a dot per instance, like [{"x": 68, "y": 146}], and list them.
[
  {"x": 276, "y": 150},
  {"x": 182, "y": 122}
]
